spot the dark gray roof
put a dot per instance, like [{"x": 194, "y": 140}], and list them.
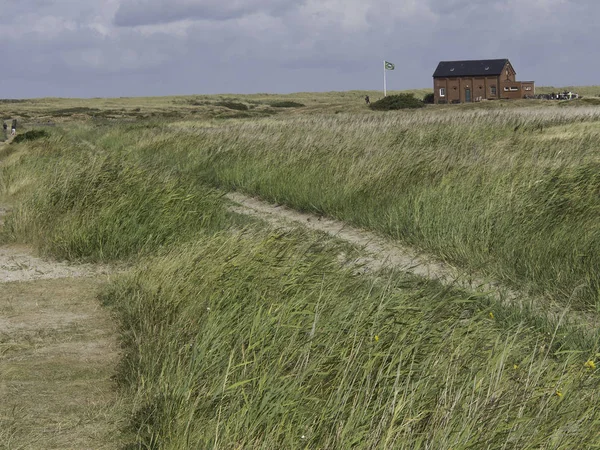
[{"x": 473, "y": 68}]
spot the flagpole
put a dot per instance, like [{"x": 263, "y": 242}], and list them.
[{"x": 384, "y": 80}]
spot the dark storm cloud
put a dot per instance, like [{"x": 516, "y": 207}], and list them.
[{"x": 152, "y": 12}]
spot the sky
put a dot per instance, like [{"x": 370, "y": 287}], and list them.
[{"x": 113, "y": 48}]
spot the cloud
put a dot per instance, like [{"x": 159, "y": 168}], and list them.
[
  {"x": 152, "y": 47},
  {"x": 133, "y": 13}
]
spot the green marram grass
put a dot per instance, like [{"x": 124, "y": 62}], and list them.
[
  {"x": 508, "y": 193},
  {"x": 102, "y": 206},
  {"x": 248, "y": 340},
  {"x": 239, "y": 337}
]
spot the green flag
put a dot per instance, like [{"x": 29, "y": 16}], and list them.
[{"x": 389, "y": 66}]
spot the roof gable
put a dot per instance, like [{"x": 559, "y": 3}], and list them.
[{"x": 473, "y": 68}]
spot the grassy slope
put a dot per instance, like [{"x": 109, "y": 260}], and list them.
[
  {"x": 265, "y": 342},
  {"x": 262, "y": 340},
  {"x": 511, "y": 192}
]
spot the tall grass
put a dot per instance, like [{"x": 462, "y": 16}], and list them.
[
  {"x": 253, "y": 341},
  {"x": 96, "y": 205},
  {"x": 510, "y": 193}
]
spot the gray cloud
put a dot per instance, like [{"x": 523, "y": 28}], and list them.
[
  {"x": 123, "y": 47},
  {"x": 151, "y": 12}
]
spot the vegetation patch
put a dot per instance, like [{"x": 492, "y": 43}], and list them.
[
  {"x": 65, "y": 112},
  {"x": 197, "y": 102},
  {"x": 252, "y": 340},
  {"x": 233, "y": 105},
  {"x": 100, "y": 206},
  {"x": 31, "y": 135},
  {"x": 429, "y": 99},
  {"x": 286, "y": 104},
  {"x": 394, "y": 102},
  {"x": 591, "y": 101}
]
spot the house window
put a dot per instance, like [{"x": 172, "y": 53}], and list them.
[
  {"x": 492, "y": 90},
  {"x": 514, "y": 88},
  {"x": 442, "y": 92},
  {"x": 528, "y": 88},
  {"x": 506, "y": 89}
]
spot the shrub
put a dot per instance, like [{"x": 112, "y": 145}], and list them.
[
  {"x": 286, "y": 104},
  {"x": 429, "y": 98},
  {"x": 590, "y": 101},
  {"x": 233, "y": 105},
  {"x": 31, "y": 135},
  {"x": 393, "y": 102},
  {"x": 67, "y": 112}
]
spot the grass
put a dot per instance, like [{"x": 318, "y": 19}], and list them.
[
  {"x": 127, "y": 209},
  {"x": 239, "y": 337},
  {"x": 510, "y": 193},
  {"x": 266, "y": 343}
]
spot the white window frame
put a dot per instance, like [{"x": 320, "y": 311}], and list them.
[
  {"x": 514, "y": 88},
  {"x": 442, "y": 92}
]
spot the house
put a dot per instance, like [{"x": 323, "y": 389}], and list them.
[{"x": 483, "y": 79}]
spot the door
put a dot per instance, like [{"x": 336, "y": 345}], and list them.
[{"x": 467, "y": 95}]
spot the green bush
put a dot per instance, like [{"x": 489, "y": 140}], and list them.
[
  {"x": 429, "y": 98},
  {"x": 233, "y": 105},
  {"x": 66, "y": 112},
  {"x": 31, "y": 135},
  {"x": 286, "y": 104},
  {"x": 590, "y": 101},
  {"x": 400, "y": 101}
]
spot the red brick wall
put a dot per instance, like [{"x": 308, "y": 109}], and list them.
[
  {"x": 481, "y": 87},
  {"x": 456, "y": 89},
  {"x": 528, "y": 88},
  {"x": 511, "y": 90}
]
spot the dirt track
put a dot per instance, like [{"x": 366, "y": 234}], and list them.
[
  {"x": 58, "y": 354},
  {"x": 381, "y": 252}
]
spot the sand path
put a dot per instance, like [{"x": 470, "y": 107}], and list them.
[
  {"x": 58, "y": 355},
  {"x": 383, "y": 253}
]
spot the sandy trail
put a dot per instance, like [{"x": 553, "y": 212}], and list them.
[
  {"x": 382, "y": 253},
  {"x": 58, "y": 355},
  {"x": 18, "y": 264}
]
